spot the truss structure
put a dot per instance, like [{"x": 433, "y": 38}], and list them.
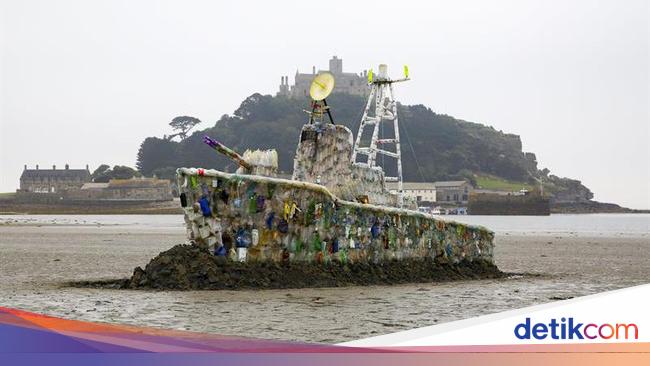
[{"x": 384, "y": 112}]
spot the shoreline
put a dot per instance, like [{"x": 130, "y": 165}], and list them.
[
  {"x": 10, "y": 207},
  {"x": 36, "y": 210}
]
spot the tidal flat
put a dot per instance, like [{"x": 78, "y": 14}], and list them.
[{"x": 40, "y": 254}]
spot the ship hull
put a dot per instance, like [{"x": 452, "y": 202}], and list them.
[{"x": 253, "y": 218}]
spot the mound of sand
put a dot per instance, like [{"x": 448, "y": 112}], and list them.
[{"x": 187, "y": 267}]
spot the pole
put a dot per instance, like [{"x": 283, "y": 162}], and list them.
[{"x": 227, "y": 151}]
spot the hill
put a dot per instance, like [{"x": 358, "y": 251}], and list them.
[{"x": 434, "y": 146}]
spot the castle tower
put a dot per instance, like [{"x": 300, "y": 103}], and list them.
[
  {"x": 336, "y": 66},
  {"x": 284, "y": 86}
]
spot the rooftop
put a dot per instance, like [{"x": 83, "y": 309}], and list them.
[
  {"x": 94, "y": 186},
  {"x": 56, "y": 173},
  {"x": 412, "y": 186},
  {"x": 138, "y": 183},
  {"x": 451, "y": 183}
]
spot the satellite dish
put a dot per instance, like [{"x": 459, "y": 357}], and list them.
[{"x": 321, "y": 86}]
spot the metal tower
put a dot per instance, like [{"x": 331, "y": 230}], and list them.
[{"x": 385, "y": 111}]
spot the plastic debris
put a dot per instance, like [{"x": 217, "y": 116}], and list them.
[{"x": 263, "y": 218}]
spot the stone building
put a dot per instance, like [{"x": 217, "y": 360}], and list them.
[
  {"x": 135, "y": 189},
  {"x": 421, "y": 192},
  {"x": 346, "y": 82},
  {"x": 453, "y": 192},
  {"x": 53, "y": 180}
]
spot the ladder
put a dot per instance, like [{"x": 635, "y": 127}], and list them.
[{"x": 385, "y": 111}]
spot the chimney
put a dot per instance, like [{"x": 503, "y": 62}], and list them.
[
  {"x": 67, "y": 167},
  {"x": 36, "y": 166},
  {"x": 281, "y": 80},
  {"x": 25, "y": 166},
  {"x": 313, "y": 70},
  {"x": 53, "y": 167},
  {"x": 87, "y": 167}
]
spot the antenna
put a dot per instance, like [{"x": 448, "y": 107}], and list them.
[
  {"x": 321, "y": 87},
  {"x": 381, "y": 91}
]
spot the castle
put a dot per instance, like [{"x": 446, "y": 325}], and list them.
[{"x": 346, "y": 82}]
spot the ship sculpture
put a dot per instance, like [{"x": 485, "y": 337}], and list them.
[{"x": 336, "y": 207}]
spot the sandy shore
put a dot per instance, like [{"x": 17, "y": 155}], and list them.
[
  {"x": 35, "y": 259},
  {"x": 10, "y": 207}
]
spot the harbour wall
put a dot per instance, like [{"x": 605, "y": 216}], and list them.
[{"x": 492, "y": 204}]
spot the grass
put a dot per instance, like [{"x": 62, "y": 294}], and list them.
[
  {"x": 7, "y": 195},
  {"x": 499, "y": 184}
]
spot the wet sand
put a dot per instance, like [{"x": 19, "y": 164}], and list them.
[{"x": 35, "y": 259}]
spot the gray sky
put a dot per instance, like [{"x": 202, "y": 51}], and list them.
[{"x": 84, "y": 82}]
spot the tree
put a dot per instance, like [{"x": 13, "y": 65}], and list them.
[
  {"x": 544, "y": 172},
  {"x": 182, "y": 125},
  {"x": 434, "y": 146},
  {"x": 124, "y": 172},
  {"x": 168, "y": 172},
  {"x": 157, "y": 153},
  {"x": 99, "y": 171},
  {"x": 104, "y": 173}
]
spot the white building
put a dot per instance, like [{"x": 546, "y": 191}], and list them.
[
  {"x": 453, "y": 192},
  {"x": 420, "y": 192}
]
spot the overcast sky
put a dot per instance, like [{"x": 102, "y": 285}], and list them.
[{"x": 84, "y": 82}]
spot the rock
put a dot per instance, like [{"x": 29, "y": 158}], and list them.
[{"x": 186, "y": 267}]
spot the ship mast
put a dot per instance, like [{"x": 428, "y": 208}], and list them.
[{"x": 385, "y": 111}]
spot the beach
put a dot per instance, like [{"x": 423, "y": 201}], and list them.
[{"x": 40, "y": 254}]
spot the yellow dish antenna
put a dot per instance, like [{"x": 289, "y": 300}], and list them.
[{"x": 322, "y": 86}]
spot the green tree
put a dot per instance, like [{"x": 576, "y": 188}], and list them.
[
  {"x": 434, "y": 146},
  {"x": 157, "y": 153},
  {"x": 104, "y": 173},
  {"x": 100, "y": 171},
  {"x": 182, "y": 125},
  {"x": 168, "y": 172}
]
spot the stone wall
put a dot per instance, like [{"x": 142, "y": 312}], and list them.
[
  {"x": 53, "y": 180},
  {"x": 137, "y": 189},
  {"x": 495, "y": 204},
  {"x": 50, "y": 185},
  {"x": 256, "y": 218},
  {"x": 121, "y": 193},
  {"x": 346, "y": 82}
]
